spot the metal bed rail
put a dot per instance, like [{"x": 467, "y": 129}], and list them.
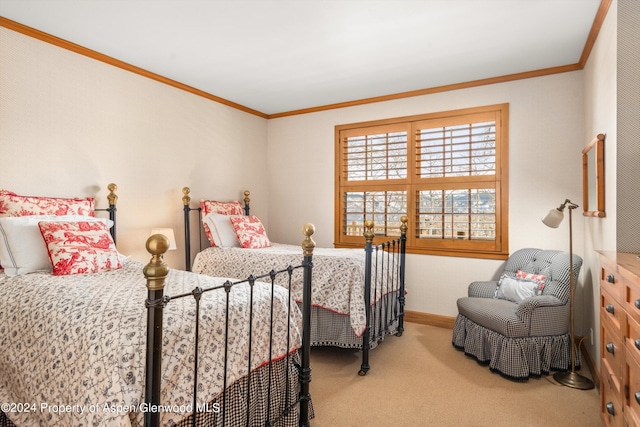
[
  {"x": 156, "y": 272},
  {"x": 385, "y": 286}
]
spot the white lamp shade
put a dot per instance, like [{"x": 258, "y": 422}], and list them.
[
  {"x": 553, "y": 218},
  {"x": 168, "y": 232}
]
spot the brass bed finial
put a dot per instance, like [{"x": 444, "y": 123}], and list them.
[
  {"x": 112, "y": 197},
  {"x": 156, "y": 271},
  {"x": 246, "y": 197},
  {"x": 404, "y": 227},
  {"x": 308, "y": 244},
  {"x": 186, "y": 199},
  {"x": 368, "y": 231}
]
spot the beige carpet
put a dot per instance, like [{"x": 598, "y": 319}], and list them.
[{"x": 420, "y": 379}]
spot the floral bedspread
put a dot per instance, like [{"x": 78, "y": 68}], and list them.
[
  {"x": 73, "y": 347},
  {"x": 337, "y": 280}
]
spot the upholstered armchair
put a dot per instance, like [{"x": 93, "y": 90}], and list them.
[{"x": 512, "y": 325}]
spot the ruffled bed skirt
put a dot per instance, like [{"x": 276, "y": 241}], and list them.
[
  {"x": 334, "y": 329},
  {"x": 514, "y": 358}
]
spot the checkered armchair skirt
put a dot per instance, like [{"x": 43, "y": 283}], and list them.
[{"x": 520, "y": 340}]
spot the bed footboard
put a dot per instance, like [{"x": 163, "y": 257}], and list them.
[
  {"x": 385, "y": 285},
  {"x": 297, "y": 399}
]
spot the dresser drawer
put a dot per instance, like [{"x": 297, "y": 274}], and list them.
[
  {"x": 632, "y": 337},
  {"x": 612, "y": 355},
  {"x": 632, "y": 296},
  {"x": 609, "y": 279},
  {"x": 612, "y": 314},
  {"x": 632, "y": 391},
  {"x": 612, "y": 413}
]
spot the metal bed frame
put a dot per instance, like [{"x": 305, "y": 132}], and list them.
[
  {"x": 155, "y": 273},
  {"x": 383, "y": 262}
]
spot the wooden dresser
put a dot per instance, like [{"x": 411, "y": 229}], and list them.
[{"x": 620, "y": 338}]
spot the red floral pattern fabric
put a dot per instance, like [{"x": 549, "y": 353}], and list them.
[
  {"x": 250, "y": 232},
  {"x": 12, "y": 204},
  {"x": 79, "y": 247},
  {"x": 538, "y": 278},
  {"x": 223, "y": 208},
  {"x": 22, "y": 249}
]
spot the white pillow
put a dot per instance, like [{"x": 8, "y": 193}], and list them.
[
  {"x": 516, "y": 289},
  {"x": 222, "y": 231},
  {"x": 22, "y": 248}
]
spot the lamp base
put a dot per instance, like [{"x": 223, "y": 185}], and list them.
[{"x": 573, "y": 379}]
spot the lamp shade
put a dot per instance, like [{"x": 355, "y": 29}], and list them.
[
  {"x": 168, "y": 232},
  {"x": 553, "y": 218}
]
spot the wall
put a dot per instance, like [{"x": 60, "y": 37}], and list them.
[
  {"x": 628, "y": 111},
  {"x": 546, "y": 138},
  {"x": 69, "y": 125},
  {"x": 600, "y": 117}
]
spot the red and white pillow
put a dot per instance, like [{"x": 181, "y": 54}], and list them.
[
  {"x": 22, "y": 249},
  {"x": 224, "y": 208},
  {"x": 221, "y": 208},
  {"x": 538, "y": 278},
  {"x": 250, "y": 232},
  {"x": 79, "y": 247},
  {"x": 12, "y": 204}
]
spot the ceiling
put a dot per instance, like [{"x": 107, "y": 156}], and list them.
[{"x": 277, "y": 56}]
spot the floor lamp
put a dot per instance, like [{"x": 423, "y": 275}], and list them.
[{"x": 569, "y": 378}]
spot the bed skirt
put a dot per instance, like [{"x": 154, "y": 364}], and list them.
[
  {"x": 334, "y": 329},
  {"x": 514, "y": 358},
  {"x": 235, "y": 407}
]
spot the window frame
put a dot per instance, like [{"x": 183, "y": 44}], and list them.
[{"x": 413, "y": 183}]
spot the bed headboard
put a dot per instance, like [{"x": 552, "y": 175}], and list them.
[{"x": 187, "y": 209}]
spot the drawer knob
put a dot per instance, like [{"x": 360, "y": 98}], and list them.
[
  {"x": 610, "y": 409},
  {"x": 610, "y": 309},
  {"x": 611, "y": 348},
  {"x": 637, "y": 343},
  {"x": 610, "y": 278},
  {"x": 637, "y": 396},
  {"x": 637, "y": 303}
]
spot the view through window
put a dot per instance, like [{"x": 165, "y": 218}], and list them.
[{"x": 445, "y": 171}]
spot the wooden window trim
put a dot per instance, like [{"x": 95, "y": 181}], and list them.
[{"x": 498, "y": 249}]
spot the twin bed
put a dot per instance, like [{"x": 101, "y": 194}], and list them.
[
  {"x": 79, "y": 349},
  {"x": 358, "y": 295},
  {"x": 84, "y": 343}
]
